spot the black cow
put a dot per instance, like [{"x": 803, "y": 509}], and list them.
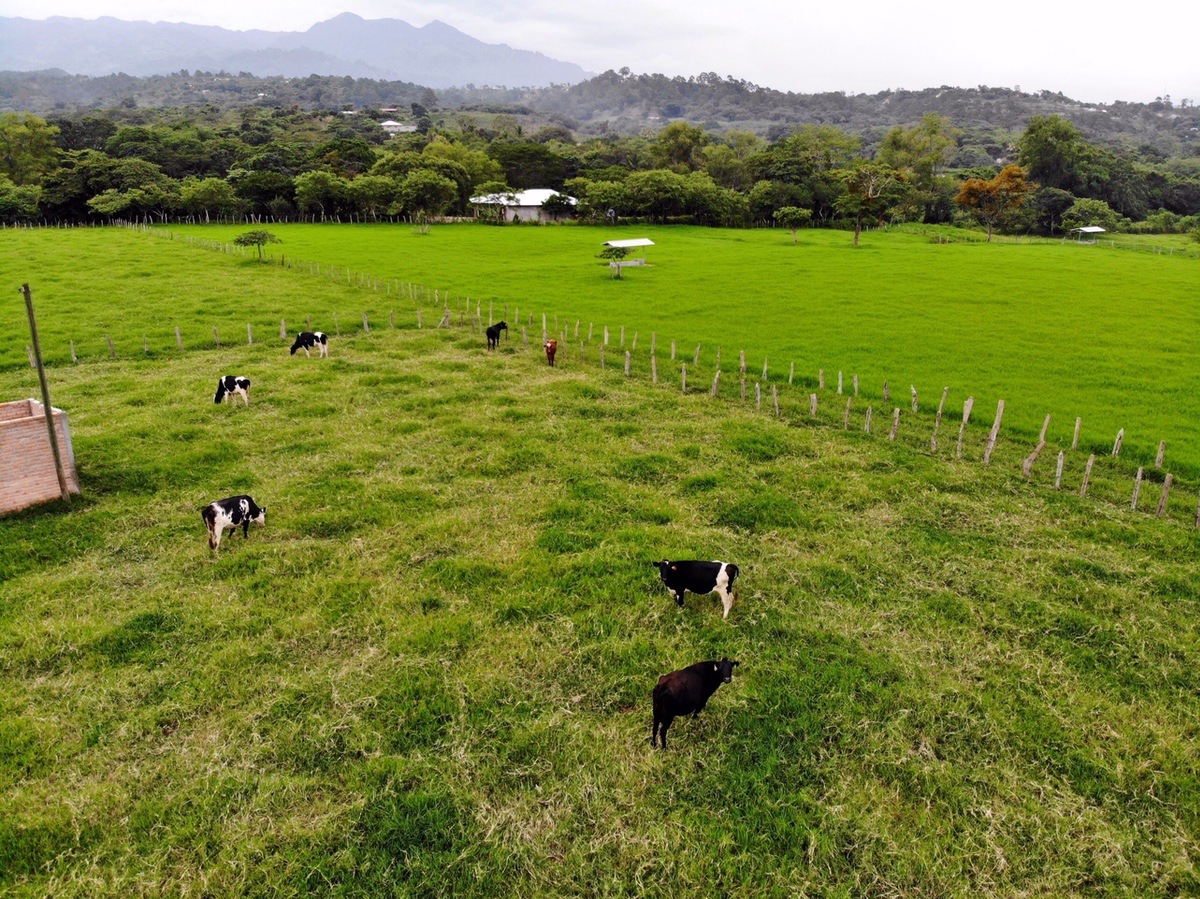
[
  {"x": 229, "y": 513},
  {"x": 493, "y": 334},
  {"x": 229, "y": 386},
  {"x": 309, "y": 340},
  {"x": 686, "y": 692},
  {"x": 699, "y": 577}
]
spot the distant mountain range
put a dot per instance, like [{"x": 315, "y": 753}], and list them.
[{"x": 435, "y": 55}]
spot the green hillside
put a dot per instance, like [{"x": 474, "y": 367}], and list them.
[{"x": 429, "y": 674}]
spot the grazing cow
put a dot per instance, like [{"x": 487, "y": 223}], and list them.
[
  {"x": 551, "y": 349},
  {"x": 699, "y": 577},
  {"x": 686, "y": 692},
  {"x": 493, "y": 334},
  {"x": 307, "y": 340},
  {"x": 229, "y": 513},
  {"x": 230, "y": 385}
]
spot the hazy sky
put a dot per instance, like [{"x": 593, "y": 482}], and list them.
[{"x": 1081, "y": 48}]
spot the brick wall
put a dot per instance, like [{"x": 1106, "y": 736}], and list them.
[{"x": 27, "y": 473}]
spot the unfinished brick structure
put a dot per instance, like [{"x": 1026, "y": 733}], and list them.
[{"x": 27, "y": 475}]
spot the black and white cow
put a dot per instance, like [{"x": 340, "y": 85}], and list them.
[
  {"x": 700, "y": 578},
  {"x": 686, "y": 692},
  {"x": 308, "y": 340},
  {"x": 229, "y": 386},
  {"x": 493, "y": 334},
  {"x": 229, "y": 513}
]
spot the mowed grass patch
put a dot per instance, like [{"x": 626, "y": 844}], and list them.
[{"x": 430, "y": 671}]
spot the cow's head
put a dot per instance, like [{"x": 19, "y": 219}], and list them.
[
  {"x": 664, "y": 566},
  {"x": 725, "y": 669},
  {"x": 261, "y": 518}
]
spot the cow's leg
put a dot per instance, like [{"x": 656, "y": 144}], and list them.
[
  {"x": 662, "y": 733},
  {"x": 727, "y": 601},
  {"x": 679, "y": 597}
]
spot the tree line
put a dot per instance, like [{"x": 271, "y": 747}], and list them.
[{"x": 286, "y": 164}]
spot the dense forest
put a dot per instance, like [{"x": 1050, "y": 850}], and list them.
[{"x": 703, "y": 150}]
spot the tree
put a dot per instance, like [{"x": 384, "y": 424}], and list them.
[
  {"x": 678, "y": 146},
  {"x": 425, "y": 191},
  {"x": 27, "y": 147},
  {"x": 207, "y": 196},
  {"x": 256, "y": 239},
  {"x": 870, "y": 189},
  {"x": 372, "y": 194},
  {"x": 994, "y": 202},
  {"x": 793, "y": 218},
  {"x": 320, "y": 190},
  {"x": 1091, "y": 212},
  {"x": 1052, "y": 152}
]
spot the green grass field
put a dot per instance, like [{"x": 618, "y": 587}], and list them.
[
  {"x": 1071, "y": 331},
  {"x": 430, "y": 673}
]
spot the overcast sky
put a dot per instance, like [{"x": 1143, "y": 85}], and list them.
[{"x": 1081, "y": 49}]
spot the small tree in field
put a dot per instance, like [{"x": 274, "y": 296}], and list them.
[
  {"x": 256, "y": 239},
  {"x": 793, "y": 218}
]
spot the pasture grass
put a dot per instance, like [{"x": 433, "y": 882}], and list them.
[
  {"x": 1052, "y": 329},
  {"x": 429, "y": 674}
]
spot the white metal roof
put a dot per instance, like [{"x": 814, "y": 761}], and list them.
[
  {"x": 1090, "y": 229},
  {"x": 635, "y": 242},
  {"x": 535, "y": 197}
]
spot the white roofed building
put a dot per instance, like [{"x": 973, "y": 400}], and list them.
[{"x": 525, "y": 205}]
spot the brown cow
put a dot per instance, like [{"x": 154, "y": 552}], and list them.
[{"x": 551, "y": 349}]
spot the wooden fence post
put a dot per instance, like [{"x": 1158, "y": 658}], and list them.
[
  {"x": 216, "y": 337},
  {"x": 576, "y": 322},
  {"x": 146, "y": 345},
  {"x": 366, "y": 324},
  {"x": 654, "y": 369},
  {"x": 742, "y": 361},
  {"x": 791, "y": 371},
  {"x": 606, "y": 335},
  {"x": 524, "y": 335},
  {"x": 1087, "y": 474},
  {"x": 1162, "y": 448},
  {"x": 856, "y": 385},
  {"x": 937, "y": 422},
  {"x": 895, "y": 423},
  {"x": 967, "y": 407},
  {"x": 1058, "y": 470},
  {"x": 887, "y": 392},
  {"x": 1137, "y": 488},
  {"x": 653, "y": 342},
  {"x": 601, "y": 357},
  {"x": 1166, "y": 492},
  {"x": 75, "y": 358},
  {"x": 672, "y": 351},
  {"x": 991, "y": 442},
  {"x": 622, "y": 335},
  {"x": 775, "y": 399},
  {"x": 696, "y": 358},
  {"x": 913, "y": 390},
  {"x": 392, "y": 319},
  {"x": 591, "y": 325},
  {"x": 764, "y": 374},
  {"x": 1075, "y": 439},
  {"x": 839, "y": 387},
  {"x": 867, "y": 420},
  {"x": 249, "y": 335},
  {"x": 627, "y": 355},
  {"x": 112, "y": 351},
  {"x": 820, "y": 379},
  {"x": 683, "y": 378},
  {"x": 716, "y": 380},
  {"x": 33, "y": 364},
  {"x": 307, "y": 323},
  {"x": 1117, "y": 443},
  {"x": 633, "y": 345},
  {"x": 419, "y": 325},
  {"x": 282, "y": 329},
  {"x": 812, "y": 405},
  {"x": 743, "y": 390},
  {"x": 757, "y": 396}
]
